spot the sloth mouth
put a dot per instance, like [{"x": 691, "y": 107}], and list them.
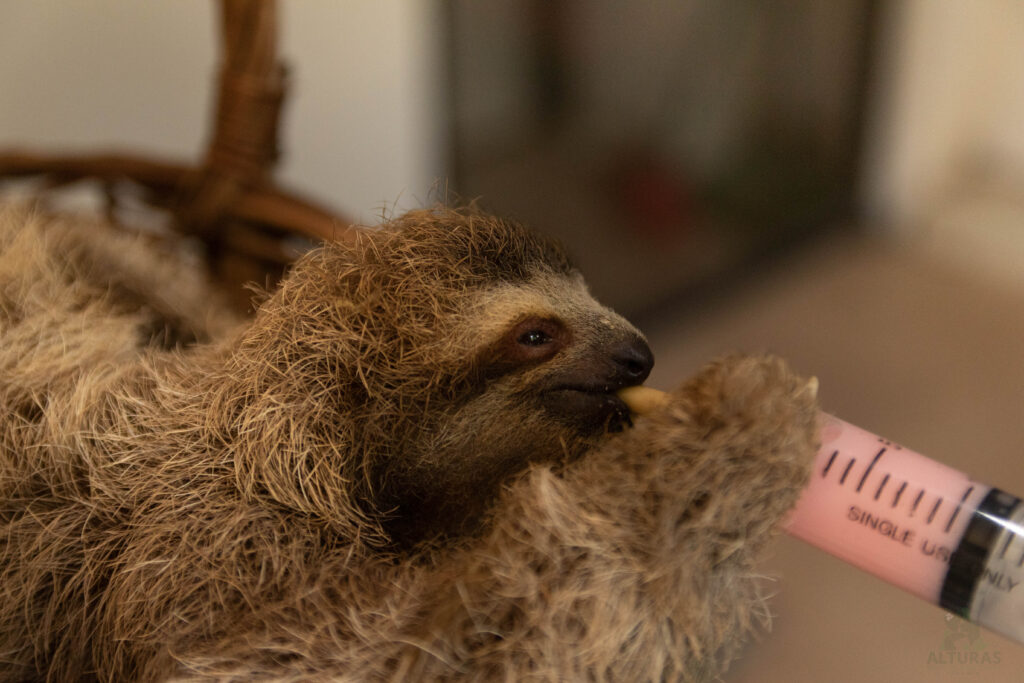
[{"x": 592, "y": 409}]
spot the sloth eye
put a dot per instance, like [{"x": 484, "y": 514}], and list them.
[{"x": 535, "y": 338}]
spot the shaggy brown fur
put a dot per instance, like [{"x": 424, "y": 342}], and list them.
[{"x": 379, "y": 478}]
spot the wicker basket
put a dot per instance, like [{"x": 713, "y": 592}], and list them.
[{"x": 248, "y": 224}]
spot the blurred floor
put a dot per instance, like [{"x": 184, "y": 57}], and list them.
[{"x": 908, "y": 347}]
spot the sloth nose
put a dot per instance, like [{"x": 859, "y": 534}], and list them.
[{"x": 633, "y": 360}]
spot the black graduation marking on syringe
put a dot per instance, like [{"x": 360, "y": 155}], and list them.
[
  {"x": 885, "y": 480},
  {"x": 828, "y": 466},
  {"x": 1020, "y": 562},
  {"x": 931, "y": 515},
  {"x": 899, "y": 492},
  {"x": 916, "y": 501},
  {"x": 864, "y": 477},
  {"x": 963, "y": 498},
  {"x": 842, "y": 479}
]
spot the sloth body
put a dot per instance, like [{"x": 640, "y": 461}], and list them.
[{"x": 406, "y": 467}]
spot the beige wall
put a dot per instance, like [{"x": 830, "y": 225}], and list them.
[
  {"x": 362, "y": 127},
  {"x": 950, "y": 107}
]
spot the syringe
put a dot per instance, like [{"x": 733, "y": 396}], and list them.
[
  {"x": 917, "y": 524},
  {"x": 909, "y": 520}
]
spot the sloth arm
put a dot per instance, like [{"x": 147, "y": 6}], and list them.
[{"x": 636, "y": 562}]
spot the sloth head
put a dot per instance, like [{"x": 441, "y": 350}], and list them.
[{"x": 412, "y": 371}]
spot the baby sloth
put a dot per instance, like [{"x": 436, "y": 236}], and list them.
[{"x": 412, "y": 464}]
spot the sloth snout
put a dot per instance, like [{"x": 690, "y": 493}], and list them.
[{"x": 633, "y": 360}]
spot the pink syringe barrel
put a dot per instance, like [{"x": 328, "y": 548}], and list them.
[{"x": 917, "y": 524}]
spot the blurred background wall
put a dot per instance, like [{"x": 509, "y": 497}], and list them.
[
  {"x": 674, "y": 142},
  {"x": 669, "y": 125},
  {"x": 945, "y": 148}
]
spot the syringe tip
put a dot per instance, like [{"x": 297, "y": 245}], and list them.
[{"x": 812, "y": 387}]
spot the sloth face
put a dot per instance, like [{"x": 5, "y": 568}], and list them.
[
  {"x": 549, "y": 360},
  {"x": 564, "y": 354},
  {"x": 470, "y": 349}
]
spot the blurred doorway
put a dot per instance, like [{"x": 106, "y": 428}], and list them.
[{"x": 669, "y": 144}]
